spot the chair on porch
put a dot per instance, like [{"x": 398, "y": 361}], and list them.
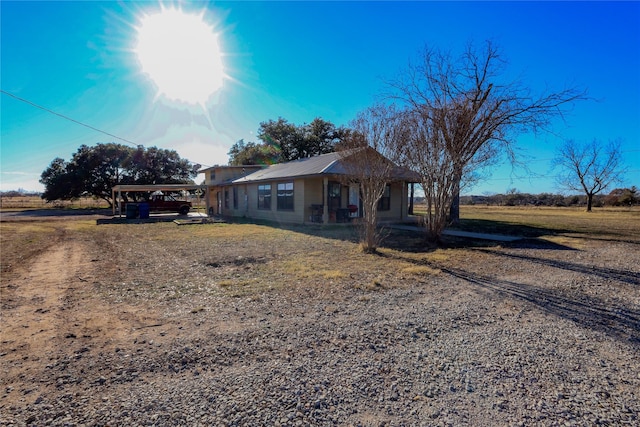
[{"x": 316, "y": 213}]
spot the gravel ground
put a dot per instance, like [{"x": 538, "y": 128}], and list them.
[{"x": 521, "y": 334}]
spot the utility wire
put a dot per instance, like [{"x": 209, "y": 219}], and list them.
[
  {"x": 26, "y": 101},
  {"x": 133, "y": 143},
  {"x": 66, "y": 117}
]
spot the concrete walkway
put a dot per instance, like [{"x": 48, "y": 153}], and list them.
[{"x": 460, "y": 233}]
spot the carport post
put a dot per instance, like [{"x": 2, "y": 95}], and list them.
[
  {"x": 119, "y": 203},
  {"x": 325, "y": 200}
]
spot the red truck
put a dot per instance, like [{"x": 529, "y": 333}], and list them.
[{"x": 167, "y": 203}]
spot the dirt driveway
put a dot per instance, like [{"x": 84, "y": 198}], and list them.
[{"x": 49, "y": 308}]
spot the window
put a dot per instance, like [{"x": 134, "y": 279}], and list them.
[
  {"x": 285, "y": 196},
  {"x": 235, "y": 197},
  {"x": 226, "y": 198},
  {"x": 264, "y": 196},
  {"x": 384, "y": 204}
]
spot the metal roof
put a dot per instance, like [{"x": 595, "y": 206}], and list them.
[
  {"x": 324, "y": 164},
  {"x": 316, "y": 165},
  {"x": 158, "y": 187},
  {"x": 218, "y": 167}
]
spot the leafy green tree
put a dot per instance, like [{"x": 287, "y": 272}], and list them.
[
  {"x": 59, "y": 183},
  {"x": 250, "y": 153},
  {"x": 159, "y": 166},
  {"x": 94, "y": 171},
  {"x": 283, "y": 141},
  {"x": 321, "y": 137},
  {"x": 98, "y": 169},
  {"x": 285, "y": 137}
]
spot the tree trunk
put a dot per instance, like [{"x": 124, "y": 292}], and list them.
[
  {"x": 589, "y": 201},
  {"x": 370, "y": 223},
  {"x": 454, "y": 211}
]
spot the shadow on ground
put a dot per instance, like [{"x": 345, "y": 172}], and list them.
[
  {"x": 415, "y": 240},
  {"x": 618, "y": 322},
  {"x": 57, "y": 212},
  {"x": 509, "y": 229},
  {"x": 624, "y": 276}
]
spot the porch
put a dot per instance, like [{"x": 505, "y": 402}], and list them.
[{"x": 328, "y": 201}]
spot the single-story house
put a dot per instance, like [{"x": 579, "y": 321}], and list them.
[{"x": 309, "y": 190}]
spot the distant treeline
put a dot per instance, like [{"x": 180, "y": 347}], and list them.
[
  {"x": 617, "y": 197},
  {"x": 19, "y": 193}
]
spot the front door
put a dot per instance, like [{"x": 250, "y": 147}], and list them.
[
  {"x": 354, "y": 200},
  {"x": 334, "y": 199}
]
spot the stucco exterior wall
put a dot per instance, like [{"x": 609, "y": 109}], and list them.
[
  {"x": 249, "y": 203},
  {"x": 397, "y": 205},
  {"x": 313, "y": 195},
  {"x": 306, "y": 192},
  {"x": 219, "y": 175}
]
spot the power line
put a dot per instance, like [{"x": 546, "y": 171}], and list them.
[
  {"x": 70, "y": 119},
  {"x": 66, "y": 117},
  {"x": 135, "y": 144}
]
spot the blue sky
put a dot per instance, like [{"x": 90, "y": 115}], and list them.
[{"x": 299, "y": 60}]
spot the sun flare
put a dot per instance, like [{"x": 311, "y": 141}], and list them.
[{"x": 180, "y": 54}]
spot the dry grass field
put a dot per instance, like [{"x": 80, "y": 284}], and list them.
[
  {"x": 35, "y": 202},
  {"x": 245, "y": 324},
  {"x": 606, "y": 223}
]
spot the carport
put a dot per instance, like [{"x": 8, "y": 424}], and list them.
[{"x": 119, "y": 189}]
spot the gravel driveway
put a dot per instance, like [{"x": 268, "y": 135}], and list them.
[{"x": 521, "y": 334}]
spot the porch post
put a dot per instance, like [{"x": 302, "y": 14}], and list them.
[
  {"x": 411, "y": 199},
  {"x": 404, "y": 208},
  {"x": 325, "y": 200},
  {"x": 246, "y": 201}
]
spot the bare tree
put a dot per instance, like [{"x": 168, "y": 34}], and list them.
[
  {"x": 424, "y": 150},
  {"x": 466, "y": 106},
  {"x": 365, "y": 154},
  {"x": 589, "y": 168}
]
